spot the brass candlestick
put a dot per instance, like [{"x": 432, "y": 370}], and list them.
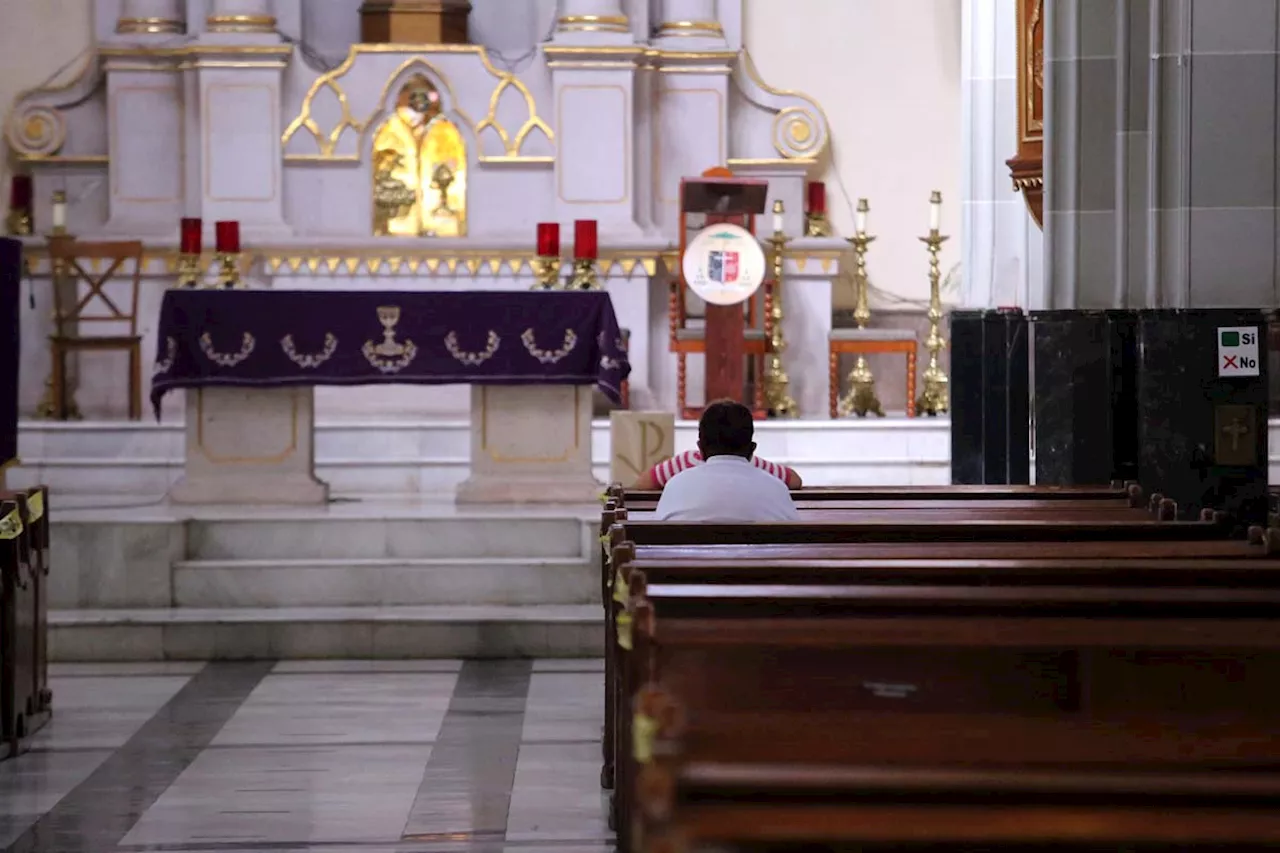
[
  {"x": 228, "y": 271},
  {"x": 776, "y": 381},
  {"x": 188, "y": 270},
  {"x": 18, "y": 223},
  {"x": 862, "y": 397},
  {"x": 817, "y": 225},
  {"x": 933, "y": 401},
  {"x": 546, "y": 273},
  {"x": 584, "y": 275}
]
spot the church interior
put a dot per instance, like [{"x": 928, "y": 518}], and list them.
[{"x": 334, "y": 370}]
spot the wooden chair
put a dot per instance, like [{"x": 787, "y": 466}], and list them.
[{"x": 79, "y": 263}]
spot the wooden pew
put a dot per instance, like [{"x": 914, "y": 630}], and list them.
[
  {"x": 968, "y": 518},
  {"x": 959, "y": 715},
  {"x": 17, "y": 627},
  {"x": 623, "y": 496},
  {"x": 34, "y": 506}
]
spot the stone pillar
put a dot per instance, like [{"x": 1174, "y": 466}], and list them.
[
  {"x": 241, "y": 16},
  {"x": 595, "y": 90},
  {"x": 688, "y": 20},
  {"x": 1002, "y": 247},
  {"x": 1160, "y": 173},
  {"x": 990, "y": 398},
  {"x": 145, "y": 104},
  {"x": 152, "y": 17},
  {"x": 234, "y": 121},
  {"x": 593, "y": 18}
]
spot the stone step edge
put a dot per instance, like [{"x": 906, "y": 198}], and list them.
[
  {"x": 579, "y": 614},
  {"x": 424, "y": 563}
]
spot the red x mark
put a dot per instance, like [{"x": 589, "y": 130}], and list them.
[{"x": 1230, "y": 361}]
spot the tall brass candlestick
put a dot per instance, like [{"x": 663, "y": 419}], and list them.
[
  {"x": 862, "y": 398},
  {"x": 934, "y": 399},
  {"x": 776, "y": 381}
]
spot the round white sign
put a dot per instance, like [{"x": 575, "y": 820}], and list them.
[{"x": 724, "y": 264}]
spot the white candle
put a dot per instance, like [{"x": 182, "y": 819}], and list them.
[
  {"x": 778, "y": 223},
  {"x": 935, "y": 211},
  {"x": 59, "y": 213},
  {"x": 860, "y": 218}
]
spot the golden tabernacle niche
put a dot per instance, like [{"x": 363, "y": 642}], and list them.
[{"x": 419, "y": 168}]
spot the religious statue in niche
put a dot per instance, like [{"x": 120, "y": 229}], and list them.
[{"x": 419, "y": 168}]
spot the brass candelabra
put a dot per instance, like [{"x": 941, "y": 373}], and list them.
[
  {"x": 229, "y": 271},
  {"x": 47, "y": 408},
  {"x": 188, "y": 270},
  {"x": 776, "y": 381},
  {"x": 861, "y": 398},
  {"x": 934, "y": 398}
]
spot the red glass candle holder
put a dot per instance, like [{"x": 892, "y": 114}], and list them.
[
  {"x": 586, "y": 245},
  {"x": 227, "y": 236},
  {"x": 817, "y": 197},
  {"x": 21, "y": 191},
  {"x": 192, "y": 237},
  {"x": 549, "y": 239}
]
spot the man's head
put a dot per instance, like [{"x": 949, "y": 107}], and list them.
[{"x": 726, "y": 429}]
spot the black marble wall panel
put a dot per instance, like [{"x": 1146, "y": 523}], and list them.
[
  {"x": 1085, "y": 397},
  {"x": 1202, "y": 437},
  {"x": 966, "y": 397},
  {"x": 990, "y": 439}
]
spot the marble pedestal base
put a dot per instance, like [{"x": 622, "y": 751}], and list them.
[
  {"x": 250, "y": 446},
  {"x": 530, "y": 444}
]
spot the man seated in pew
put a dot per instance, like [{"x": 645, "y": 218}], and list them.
[
  {"x": 659, "y": 475},
  {"x": 726, "y": 487}
]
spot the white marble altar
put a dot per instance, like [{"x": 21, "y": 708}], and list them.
[{"x": 223, "y": 109}]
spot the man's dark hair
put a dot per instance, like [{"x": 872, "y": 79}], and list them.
[{"x": 726, "y": 429}]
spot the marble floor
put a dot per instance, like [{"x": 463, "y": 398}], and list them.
[{"x": 314, "y": 757}]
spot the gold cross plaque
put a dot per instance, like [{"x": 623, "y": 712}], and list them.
[{"x": 1235, "y": 437}]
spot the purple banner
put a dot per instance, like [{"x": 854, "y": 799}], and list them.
[{"x": 277, "y": 338}]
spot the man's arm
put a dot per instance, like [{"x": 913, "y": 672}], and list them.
[
  {"x": 658, "y": 476},
  {"x": 782, "y": 472},
  {"x": 793, "y": 479}
]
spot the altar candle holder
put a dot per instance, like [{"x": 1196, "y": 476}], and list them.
[
  {"x": 816, "y": 223},
  {"x": 862, "y": 398},
  {"x": 546, "y": 267},
  {"x": 586, "y": 250},
  {"x": 933, "y": 399},
  {"x": 21, "y": 192},
  {"x": 776, "y": 382},
  {"x": 189, "y": 251},
  {"x": 227, "y": 254}
]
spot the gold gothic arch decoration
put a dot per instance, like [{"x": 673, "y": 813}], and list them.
[
  {"x": 419, "y": 168},
  {"x": 1027, "y": 166}
]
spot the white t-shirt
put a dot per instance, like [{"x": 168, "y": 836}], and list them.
[{"x": 726, "y": 489}]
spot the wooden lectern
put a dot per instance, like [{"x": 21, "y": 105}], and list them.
[{"x": 730, "y": 335}]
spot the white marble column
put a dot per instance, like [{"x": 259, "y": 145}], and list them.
[
  {"x": 594, "y": 19},
  {"x": 152, "y": 17},
  {"x": 688, "y": 19},
  {"x": 1002, "y": 248},
  {"x": 240, "y": 16}
]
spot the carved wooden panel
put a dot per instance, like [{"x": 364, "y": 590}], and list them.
[{"x": 1027, "y": 166}]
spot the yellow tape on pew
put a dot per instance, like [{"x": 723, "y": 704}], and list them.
[
  {"x": 643, "y": 731},
  {"x": 621, "y": 589},
  {"x": 10, "y": 526},
  {"x": 35, "y": 505},
  {"x": 624, "y": 630}
]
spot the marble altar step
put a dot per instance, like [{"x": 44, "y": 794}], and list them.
[
  {"x": 368, "y": 632},
  {"x": 430, "y": 457},
  {"x": 383, "y": 582}
]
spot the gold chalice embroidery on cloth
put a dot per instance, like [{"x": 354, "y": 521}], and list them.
[
  {"x": 164, "y": 365},
  {"x": 530, "y": 342},
  {"x": 307, "y": 360},
  {"x": 390, "y": 356},
  {"x": 472, "y": 359},
  {"x": 222, "y": 359}
]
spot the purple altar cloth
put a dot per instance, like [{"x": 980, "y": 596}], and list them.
[{"x": 278, "y": 338}]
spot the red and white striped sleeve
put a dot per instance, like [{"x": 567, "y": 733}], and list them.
[
  {"x": 664, "y": 471},
  {"x": 779, "y": 471}
]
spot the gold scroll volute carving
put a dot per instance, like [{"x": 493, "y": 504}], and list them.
[{"x": 419, "y": 168}]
